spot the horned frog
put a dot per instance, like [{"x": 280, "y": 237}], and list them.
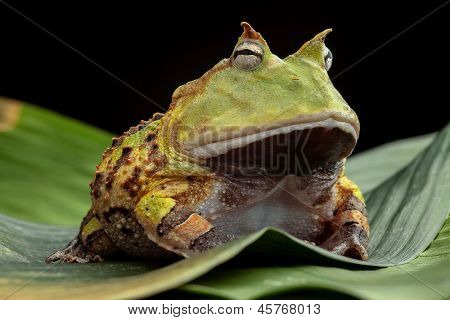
[{"x": 257, "y": 141}]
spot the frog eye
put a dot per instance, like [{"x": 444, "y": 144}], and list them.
[
  {"x": 327, "y": 58},
  {"x": 247, "y": 56}
]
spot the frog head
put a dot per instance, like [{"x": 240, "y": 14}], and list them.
[{"x": 256, "y": 109}]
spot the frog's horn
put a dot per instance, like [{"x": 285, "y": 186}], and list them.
[
  {"x": 313, "y": 48},
  {"x": 250, "y": 34}
]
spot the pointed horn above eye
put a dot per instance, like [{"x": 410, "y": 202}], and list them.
[
  {"x": 249, "y": 32},
  {"x": 313, "y": 48},
  {"x": 316, "y": 42},
  {"x": 321, "y": 36}
]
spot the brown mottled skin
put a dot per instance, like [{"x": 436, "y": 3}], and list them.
[{"x": 160, "y": 193}]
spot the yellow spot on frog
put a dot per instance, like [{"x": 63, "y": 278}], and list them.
[
  {"x": 348, "y": 184},
  {"x": 92, "y": 226},
  {"x": 9, "y": 114},
  {"x": 154, "y": 208}
]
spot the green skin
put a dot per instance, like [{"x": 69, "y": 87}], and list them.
[{"x": 175, "y": 185}]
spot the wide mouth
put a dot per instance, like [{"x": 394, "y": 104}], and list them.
[{"x": 298, "y": 149}]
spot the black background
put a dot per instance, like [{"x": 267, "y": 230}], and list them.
[{"x": 401, "y": 89}]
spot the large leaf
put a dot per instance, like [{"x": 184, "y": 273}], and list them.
[
  {"x": 406, "y": 213},
  {"x": 46, "y": 163},
  {"x": 25, "y": 275},
  {"x": 426, "y": 277}
]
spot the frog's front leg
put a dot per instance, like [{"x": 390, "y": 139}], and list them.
[
  {"x": 90, "y": 244},
  {"x": 169, "y": 217},
  {"x": 349, "y": 228}
]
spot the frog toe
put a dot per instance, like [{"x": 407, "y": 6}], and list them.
[
  {"x": 350, "y": 241},
  {"x": 74, "y": 253}
]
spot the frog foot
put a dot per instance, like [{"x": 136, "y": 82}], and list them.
[
  {"x": 350, "y": 240},
  {"x": 74, "y": 253}
]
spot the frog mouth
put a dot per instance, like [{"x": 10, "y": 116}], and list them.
[{"x": 297, "y": 149}]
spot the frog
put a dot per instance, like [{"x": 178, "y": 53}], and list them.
[{"x": 255, "y": 142}]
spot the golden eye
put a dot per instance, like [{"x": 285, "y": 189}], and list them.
[
  {"x": 327, "y": 58},
  {"x": 247, "y": 56}
]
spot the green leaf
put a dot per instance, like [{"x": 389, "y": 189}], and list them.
[
  {"x": 369, "y": 168},
  {"x": 49, "y": 176},
  {"x": 426, "y": 277},
  {"x": 25, "y": 275},
  {"x": 46, "y": 163}
]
